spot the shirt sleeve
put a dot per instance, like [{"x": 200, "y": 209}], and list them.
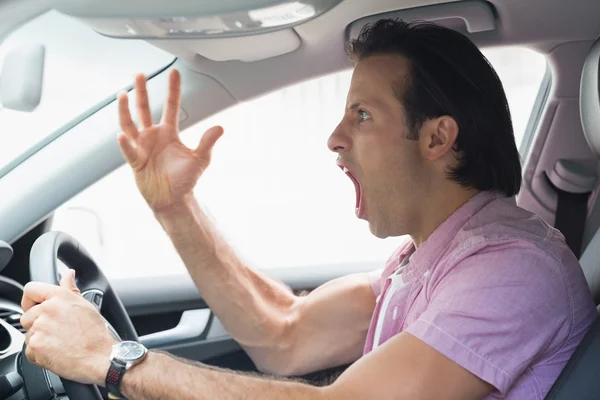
[{"x": 495, "y": 313}]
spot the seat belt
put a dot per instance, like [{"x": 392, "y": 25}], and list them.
[
  {"x": 571, "y": 212},
  {"x": 573, "y": 181}
]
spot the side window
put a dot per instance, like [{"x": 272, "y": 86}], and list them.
[
  {"x": 521, "y": 71},
  {"x": 273, "y": 188}
]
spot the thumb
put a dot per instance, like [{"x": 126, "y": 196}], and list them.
[
  {"x": 207, "y": 142},
  {"x": 68, "y": 281}
]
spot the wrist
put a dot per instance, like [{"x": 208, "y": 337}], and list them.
[
  {"x": 137, "y": 374},
  {"x": 101, "y": 363},
  {"x": 182, "y": 207}
]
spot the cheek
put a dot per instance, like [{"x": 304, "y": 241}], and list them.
[
  {"x": 380, "y": 151},
  {"x": 384, "y": 158},
  {"x": 375, "y": 143},
  {"x": 392, "y": 174},
  {"x": 382, "y": 175}
]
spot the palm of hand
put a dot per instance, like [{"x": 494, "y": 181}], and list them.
[{"x": 167, "y": 169}]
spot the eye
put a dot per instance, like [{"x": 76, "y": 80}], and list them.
[{"x": 363, "y": 115}]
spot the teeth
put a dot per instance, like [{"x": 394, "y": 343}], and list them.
[{"x": 345, "y": 170}]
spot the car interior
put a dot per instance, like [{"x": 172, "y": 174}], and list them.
[{"x": 230, "y": 53}]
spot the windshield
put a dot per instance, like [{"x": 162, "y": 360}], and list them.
[{"x": 83, "y": 69}]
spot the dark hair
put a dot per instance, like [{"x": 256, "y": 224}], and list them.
[{"x": 450, "y": 76}]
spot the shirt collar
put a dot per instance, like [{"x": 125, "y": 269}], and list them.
[{"x": 427, "y": 255}]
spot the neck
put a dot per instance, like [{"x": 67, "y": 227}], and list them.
[{"x": 436, "y": 209}]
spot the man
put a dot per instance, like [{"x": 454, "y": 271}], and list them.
[{"x": 485, "y": 301}]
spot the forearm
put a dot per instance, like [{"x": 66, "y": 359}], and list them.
[
  {"x": 163, "y": 377},
  {"x": 253, "y": 307}
]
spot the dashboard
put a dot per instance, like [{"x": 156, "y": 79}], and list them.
[
  {"x": 12, "y": 334},
  {"x": 11, "y": 293}
]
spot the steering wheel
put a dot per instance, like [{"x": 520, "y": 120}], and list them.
[{"x": 44, "y": 267}]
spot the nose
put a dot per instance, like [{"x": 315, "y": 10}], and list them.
[{"x": 339, "y": 141}]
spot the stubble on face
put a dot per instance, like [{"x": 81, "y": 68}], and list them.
[{"x": 388, "y": 160}]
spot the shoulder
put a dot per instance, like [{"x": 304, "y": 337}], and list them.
[
  {"x": 507, "y": 237},
  {"x": 504, "y": 246}
]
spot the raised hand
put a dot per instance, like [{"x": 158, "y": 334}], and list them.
[{"x": 166, "y": 170}]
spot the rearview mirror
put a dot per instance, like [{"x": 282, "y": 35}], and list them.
[{"x": 22, "y": 77}]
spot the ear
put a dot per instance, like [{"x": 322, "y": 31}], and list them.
[{"x": 437, "y": 137}]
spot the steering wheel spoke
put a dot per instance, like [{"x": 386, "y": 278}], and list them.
[{"x": 95, "y": 297}]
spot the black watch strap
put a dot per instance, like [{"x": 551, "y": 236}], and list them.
[{"x": 114, "y": 377}]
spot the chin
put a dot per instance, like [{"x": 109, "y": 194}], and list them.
[
  {"x": 386, "y": 230},
  {"x": 377, "y": 231}
]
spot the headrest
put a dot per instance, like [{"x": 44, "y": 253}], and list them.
[{"x": 589, "y": 98}]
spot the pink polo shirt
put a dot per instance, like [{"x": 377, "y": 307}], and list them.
[{"x": 495, "y": 289}]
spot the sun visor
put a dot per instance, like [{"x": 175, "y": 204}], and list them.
[{"x": 246, "y": 48}]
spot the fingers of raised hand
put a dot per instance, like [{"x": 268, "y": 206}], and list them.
[
  {"x": 173, "y": 102},
  {"x": 207, "y": 142},
  {"x": 143, "y": 104},
  {"x": 125, "y": 120}
]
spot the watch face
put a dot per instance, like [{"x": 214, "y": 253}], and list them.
[{"x": 129, "y": 351}]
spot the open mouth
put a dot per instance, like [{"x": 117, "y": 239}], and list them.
[{"x": 358, "y": 189}]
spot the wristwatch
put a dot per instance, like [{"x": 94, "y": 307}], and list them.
[{"x": 124, "y": 355}]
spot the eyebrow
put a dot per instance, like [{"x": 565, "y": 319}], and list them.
[
  {"x": 374, "y": 103},
  {"x": 355, "y": 105}
]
